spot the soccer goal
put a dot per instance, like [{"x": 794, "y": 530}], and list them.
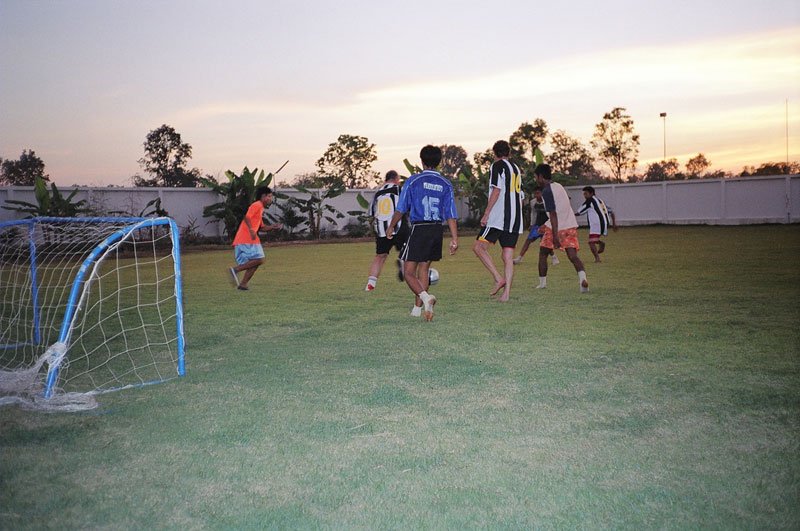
[{"x": 87, "y": 306}]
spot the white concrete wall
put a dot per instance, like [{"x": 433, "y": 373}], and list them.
[
  {"x": 714, "y": 202},
  {"x": 736, "y": 201}
]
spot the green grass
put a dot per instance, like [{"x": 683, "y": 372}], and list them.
[{"x": 668, "y": 397}]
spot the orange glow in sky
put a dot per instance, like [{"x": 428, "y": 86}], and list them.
[{"x": 85, "y": 97}]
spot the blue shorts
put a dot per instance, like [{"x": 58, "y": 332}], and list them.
[
  {"x": 534, "y": 234},
  {"x": 244, "y": 252}
]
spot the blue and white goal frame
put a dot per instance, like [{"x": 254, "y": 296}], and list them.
[{"x": 134, "y": 223}]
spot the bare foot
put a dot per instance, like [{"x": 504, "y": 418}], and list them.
[
  {"x": 501, "y": 298},
  {"x": 498, "y": 286},
  {"x": 597, "y": 260}
]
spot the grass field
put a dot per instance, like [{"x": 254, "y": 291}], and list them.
[{"x": 668, "y": 397}]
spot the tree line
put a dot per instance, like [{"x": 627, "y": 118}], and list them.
[{"x": 348, "y": 161}]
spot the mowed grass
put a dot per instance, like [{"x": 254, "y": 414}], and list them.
[{"x": 668, "y": 397}]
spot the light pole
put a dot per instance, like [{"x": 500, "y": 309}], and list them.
[{"x": 664, "y": 116}]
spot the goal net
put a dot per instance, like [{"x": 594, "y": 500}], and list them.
[{"x": 87, "y": 305}]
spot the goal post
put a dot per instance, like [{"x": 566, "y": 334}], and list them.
[{"x": 88, "y": 305}]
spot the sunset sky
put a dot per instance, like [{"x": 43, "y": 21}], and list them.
[{"x": 255, "y": 83}]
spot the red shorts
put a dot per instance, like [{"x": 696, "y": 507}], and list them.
[
  {"x": 567, "y": 238},
  {"x": 594, "y": 238}
]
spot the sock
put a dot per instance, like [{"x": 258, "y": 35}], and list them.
[
  {"x": 542, "y": 282},
  {"x": 581, "y": 276},
  {"x": 371, "y": 281},
  {"x": 416, "y": 311},
  {"x": 424, "y": 296}
]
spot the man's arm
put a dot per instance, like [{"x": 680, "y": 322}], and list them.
[
  {"x": 453, "y": 225},
  {"x": 390, "y": 229},
  {"x": 493, "y": 197},
  {"x": 250, "y": 228}
]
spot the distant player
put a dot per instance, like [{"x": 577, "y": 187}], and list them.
[
  {"x": 381, "y": 210},
  {"x": 502, "y": 220},
  {"x": 561, "y": 230},
  {"x": 428, "y": 199},
  {"x": 248, "y": 252},
  {"x": 539, "y": 217},
  {"x": 597, "y": 213}
]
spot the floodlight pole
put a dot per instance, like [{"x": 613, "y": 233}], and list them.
[{"x": 664, "y": 116}]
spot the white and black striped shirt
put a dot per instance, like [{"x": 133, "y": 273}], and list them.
[
  {"x": 597, "y": 213},
  {"x": 382, "y": 208},
  {"x": 506, "y": 214}
]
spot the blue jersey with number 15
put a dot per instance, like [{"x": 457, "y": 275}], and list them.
[{"x": 427, "y": 196}]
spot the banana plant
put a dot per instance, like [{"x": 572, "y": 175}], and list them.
[
  {"x": 238, "y": 194},
  {"x": 50, "y": 204},
  {"x": 316, "y": 208}
]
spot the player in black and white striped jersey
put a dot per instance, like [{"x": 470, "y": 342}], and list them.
[
  {"x": 503, "y": 218},
  {"x": 381, "y": 210},
  {"x": 599, "y": 216}
]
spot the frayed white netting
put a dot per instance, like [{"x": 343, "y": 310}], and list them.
[{"x": 87, "y": 306}]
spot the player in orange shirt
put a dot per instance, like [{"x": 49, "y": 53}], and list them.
[{"x": 247, "y": 247}]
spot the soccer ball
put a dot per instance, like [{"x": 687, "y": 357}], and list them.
[{"x": 433, "y": 276}]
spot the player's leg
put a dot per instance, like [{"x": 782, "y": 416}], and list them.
[
  {"x": 248, "y": 274},
  {"x": 594, "y": 241},
  {"x": 545, "y": 250},
  {"x": 602, "y": 246},
  {"x": 533, "y": 235},
  {"x": 570, "y": 239},
  {"x": 249, "y": 257},
  {"x": 423, "y": 276},
  {"x": 480, "y": 248},
  {"x": 424, "y": 245},
  {"x": 375, "y": 270},
  {"x": 525, "y": 245},
  {"x": 416, "y": 276},
  {"x": 508, "y": 269},
  {"x": 593, "y": 247}
]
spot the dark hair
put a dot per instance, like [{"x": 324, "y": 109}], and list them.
[
  {"x": 262, "y": 190},
  {"x": 538, "y": 188},
  {"x": 544, "y": 171},
  {"x": 431, "y": 156},
  {"x": 391, "y": 175},
  {"x": 501, "y": 148},
  {"x": 589, "y": 189}
]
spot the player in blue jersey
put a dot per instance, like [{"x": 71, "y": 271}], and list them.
[{"x": 428, "y": 199}]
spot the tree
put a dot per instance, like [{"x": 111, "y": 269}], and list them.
[
  {"x": 771, "y": 168},
  {"x": 526, "y": 139},
  {"x": 570, "y": 157},
  {"x": 23, "y": 172},
  {"x": 349, "y": 161},
  {"x": 668, "y": 170},
  {"x": 454, "y": 158},
  {"x": 483, "y": 160},
  {"x": 697, "y": 165},
  {"x": 308, "y": 180},
  {"x": 615, "y": 142},
  {"x": 165, "y": 158}
]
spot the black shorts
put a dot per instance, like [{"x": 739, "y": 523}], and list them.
[
  {"x": 491, "y": 235},
  {"x": 384, "y": 245},
  {"x": 424, "y": 243}
]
